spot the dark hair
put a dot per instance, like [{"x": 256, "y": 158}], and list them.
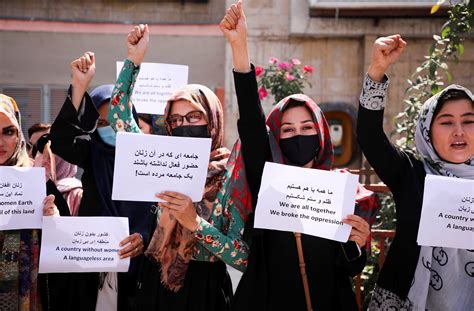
[
  {"x": 449, "y": 95},
  {"x": 38, "y": 127},
  {"x": 293, "y": 103},
  {"x": 146, "y": 118},
  {"x": 39, "y": 146}
]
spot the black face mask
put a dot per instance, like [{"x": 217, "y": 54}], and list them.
[
  {"x": 300, "y": 149},
  {"x": 191, "y": 131}
]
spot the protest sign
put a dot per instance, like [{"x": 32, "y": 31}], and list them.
[
  {"x": 22, "y": 191},
  {"x": 149, "y": 164},
  {"x": 447, "y": 216},
  {"x": 304, "y": 200},
  {"x": 154, "y": 85},
  {"x": 83, "y": 244}
]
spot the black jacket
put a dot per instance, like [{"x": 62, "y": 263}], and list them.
[
  {"x": 405, "y": 177},
  {"x": 273, "y": 280},
  {"x": 74, "y": 138}
]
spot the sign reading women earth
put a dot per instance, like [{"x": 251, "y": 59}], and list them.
[
  {"x": 154, "y": 85},
  {"x": 83, "y": 244},
  {"x": 22, "y": 191},
  {"x": 148, "y": 164},
  {"x": 305, "y": 200},
  {"x": 447, "y": 216}
]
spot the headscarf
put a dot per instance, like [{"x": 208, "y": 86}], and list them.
[
  {"x": 432, "y": 162},
  {"x": 19, "y": 252},
  {"x": 67, "y": 183},
  {"x": 430, "y": 269},
  {"x": 367, "y": 202},
  {"x": 9, "y": 108},
  {"x": 324, "y": 158},
  {"x": 172, "y": 245},
  {"x": 100, "y": 94}
]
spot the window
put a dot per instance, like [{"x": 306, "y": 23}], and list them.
[{"x": 39, "y": 103}]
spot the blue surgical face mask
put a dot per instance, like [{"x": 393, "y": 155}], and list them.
[{"x": 107, "y": 134}]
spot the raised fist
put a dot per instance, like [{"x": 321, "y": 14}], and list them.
[
  {"x": 234, "y": 24},
  {"x": 83, "y": 70},
  {"x": 137, "y": 43},
  {"x": 385, "y": 52}
]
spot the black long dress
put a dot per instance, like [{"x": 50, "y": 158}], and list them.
[
  {"x": 273, "y": 280},
  {"x": 74, "y": 138}
]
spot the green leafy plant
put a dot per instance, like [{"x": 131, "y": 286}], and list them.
[
  {"x": 431, "y": 75},
  {"x": 282, "y": 78}
]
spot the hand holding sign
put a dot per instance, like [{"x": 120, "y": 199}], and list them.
[
  {"x": 137, "y": 43},
  {"x": 360, "y": 229},
  {"x": 49, "y": 208},
  {"x": 132, "y": 246},
  {"x": 181, "y": 207}
]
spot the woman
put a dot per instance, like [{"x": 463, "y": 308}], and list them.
[
  {"x": 192, "y": 242},
  {"x": 82, "y": 136},
  {"x": 63, "y": 173},
  {"x": 19, "y": 249},
  {"x": 298, "y": 135},
  {"x": 444, "y": 141}
]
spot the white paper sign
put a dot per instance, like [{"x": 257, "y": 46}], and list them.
[
  {"x": 154, "y": 85},
  {"x": 83, "y": 244},
  {"x": 22, "y": 191},
  {"x": 148, "y": 164},
  {"x": 447, "y": 215},
  {"x": 304, "y": 200}
]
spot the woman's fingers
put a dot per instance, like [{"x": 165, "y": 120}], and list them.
[
  {"x": 49, "y": 208},
  {"x": 359, "y": 240},
  {"x": 134, "y": 246},
  {"x": 170, "y": 206}
]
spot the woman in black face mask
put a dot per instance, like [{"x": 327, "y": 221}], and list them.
[
  {"x": 191, "y": 243},
  {"x": 298, "y": 135}
]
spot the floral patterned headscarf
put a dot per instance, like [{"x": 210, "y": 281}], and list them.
[{"x": 325, "y": 156}]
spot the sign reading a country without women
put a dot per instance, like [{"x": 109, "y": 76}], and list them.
[
  {"x": 83, "y": 244},
  {"x": 304, "y": 200},
  {"x": 149, "y": 164},
  {"x": 447, "y": 216},
  {"x": 22, "y": 191}
]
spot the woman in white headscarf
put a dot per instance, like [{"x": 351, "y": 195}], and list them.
[
  {"x": 418, "y": 277},
  {"x": 19, "y": 249}
]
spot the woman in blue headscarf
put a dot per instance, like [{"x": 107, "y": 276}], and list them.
[{"x": 81, "y": 135}]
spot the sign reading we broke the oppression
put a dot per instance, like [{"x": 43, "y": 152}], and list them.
[{"x": 304, "y": 200}]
